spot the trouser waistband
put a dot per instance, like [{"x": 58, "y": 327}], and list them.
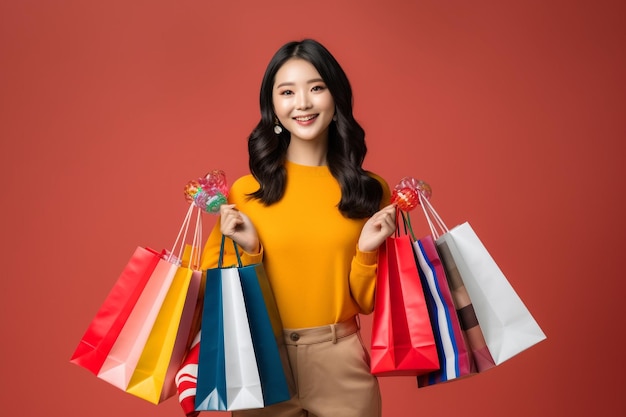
[{"x": 328, "y": 333}]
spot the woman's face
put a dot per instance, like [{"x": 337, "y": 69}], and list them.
[{"x": 302, "y": 102}]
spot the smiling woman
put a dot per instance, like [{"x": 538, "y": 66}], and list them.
[
  {"x": 345, "y": 148},
  {"x": 305, "y": 107},
  {"x": 322, "y": 270}
]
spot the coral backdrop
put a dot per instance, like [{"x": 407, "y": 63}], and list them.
[{"x": 513, "y": 111}]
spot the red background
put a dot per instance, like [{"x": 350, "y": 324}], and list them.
[{"x": 512, "y": 111}]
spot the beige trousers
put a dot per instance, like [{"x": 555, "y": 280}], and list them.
[{"x": 331, "y": 375}]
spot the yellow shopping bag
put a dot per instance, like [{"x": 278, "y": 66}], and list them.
[
  {"x": 153, "y": 378},
  {"x": 164, "y": 351}
]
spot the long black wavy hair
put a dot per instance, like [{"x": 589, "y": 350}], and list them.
[{"x": 360, "y": 193}]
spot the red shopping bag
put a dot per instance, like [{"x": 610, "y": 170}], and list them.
[
  {"x": 106, "y": 326},
  {"x": 402, "y": 337}
]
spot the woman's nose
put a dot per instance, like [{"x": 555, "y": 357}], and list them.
[{"x": 303, "y": 101}]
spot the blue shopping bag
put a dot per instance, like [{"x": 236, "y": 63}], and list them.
[
  {"x": 266, "y": 331},
  {"x": 239, "y": 364}
]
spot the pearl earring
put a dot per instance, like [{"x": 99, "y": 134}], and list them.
[{"x": 278, "y": 129}]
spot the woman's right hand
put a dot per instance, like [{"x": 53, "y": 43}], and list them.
[{"x": 237, "y": 226}]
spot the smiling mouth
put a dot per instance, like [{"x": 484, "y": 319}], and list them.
[{"x": 305, "y": 118}]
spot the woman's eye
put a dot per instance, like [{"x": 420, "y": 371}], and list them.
[
  {"x": 318, "y": 88},
  {"x": 286, "y": 93}
]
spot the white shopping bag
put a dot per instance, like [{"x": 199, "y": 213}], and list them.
[
  {"x": 243, "y": 383},
  {"x": 506, "y": 323}
]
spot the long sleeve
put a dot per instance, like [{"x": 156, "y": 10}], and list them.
[
  {"x": 364, "y": 268},
  {"x": 363, "y": 280}
]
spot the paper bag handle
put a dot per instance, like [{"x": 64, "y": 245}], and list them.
[
  {"x": 435, "y": 222},
  {"x": 220, "y": 260},
  {"x": 194, "y": 257}
]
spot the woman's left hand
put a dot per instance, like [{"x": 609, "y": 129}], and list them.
[{"x": 378, "y": 228}]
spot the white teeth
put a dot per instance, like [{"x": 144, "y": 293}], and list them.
[{"x": 304, "y": 118}]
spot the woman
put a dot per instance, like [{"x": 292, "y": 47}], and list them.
[{"x": 315, "y": 218}]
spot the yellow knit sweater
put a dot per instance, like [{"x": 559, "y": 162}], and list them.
[{"x": 309, "y": 249}]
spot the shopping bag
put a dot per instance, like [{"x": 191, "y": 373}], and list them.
[
  {"x": 266, "y": 332},
  {"x": 106, "y": 326},
  {"x": 243, "y": 382},
  {"x": 210, "y": 391},
  {"x": 402, "y": 337},
  {"x": 182, "y": 340},
  {"x": 239, "y": 362},
  {"x": 454, "y": 355},
  {"x": 126, "y": 338},
  {"x": 506, "y": 324},
  {"x": 163, "y": 352},
  {"x": 122, "y": 359},
  {"x": 481, "y": 357},
  {"x": 153, "y": 377}
]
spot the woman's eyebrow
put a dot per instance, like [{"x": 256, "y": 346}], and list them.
[{"x": 290, "y": 83}]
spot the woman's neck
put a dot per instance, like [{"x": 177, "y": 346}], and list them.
[{"x": 310, "y": 153}]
